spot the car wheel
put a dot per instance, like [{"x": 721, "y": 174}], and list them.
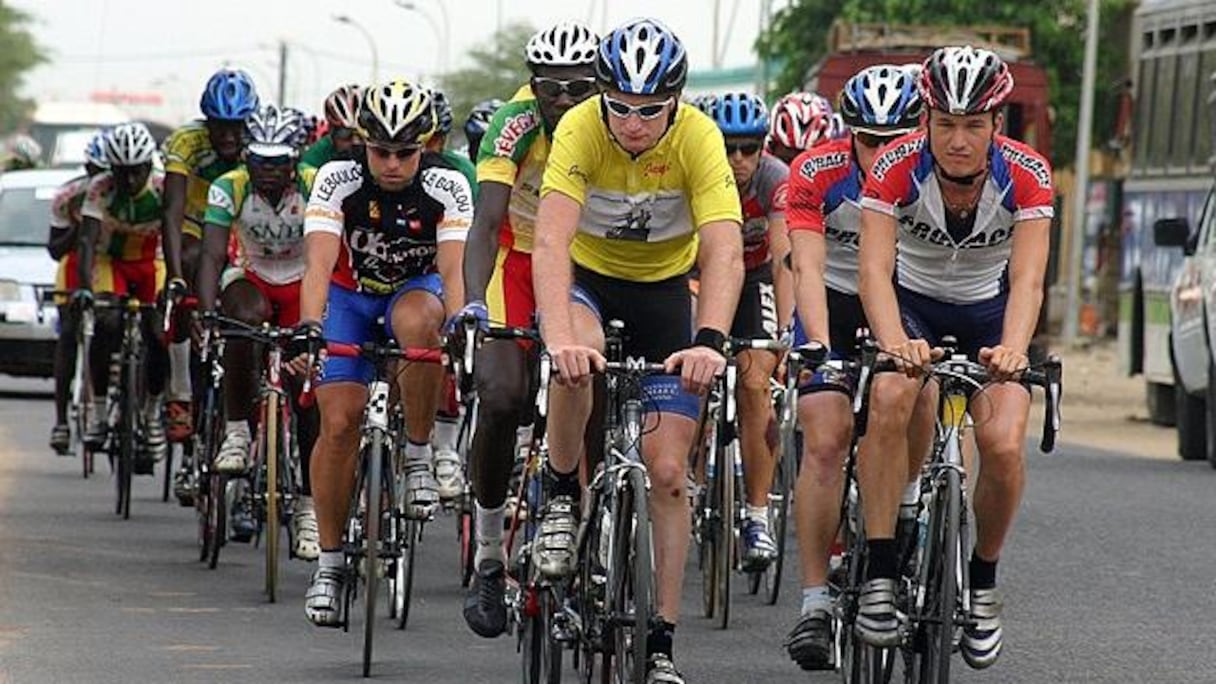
[{"x": 1191, "y": 422}]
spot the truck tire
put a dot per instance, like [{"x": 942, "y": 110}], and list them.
[
  {"x": 1210, "y": 413},
  {"x": 1191, "y": 422},
  {"x": 1160, "y": 402}
]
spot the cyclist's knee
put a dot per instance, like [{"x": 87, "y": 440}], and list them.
[
  {"x": 667, "y": 478},
  {"x": 416, "y": 318},
  {"x": 892, "y": 399},
  {"x": 243, "y": 301}
]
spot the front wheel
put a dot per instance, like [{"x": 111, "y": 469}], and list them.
[
  {"x": 631, "y": 581},
  {"x": 372, "y": 511},
  {"x": 934, "y": 638},
  {"x": 778, "y": 515}
]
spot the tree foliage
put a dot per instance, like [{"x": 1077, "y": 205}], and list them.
[
  {"x": 1057, "y": 27},
  {"x": 19, "y": 54},
  {"x": 498, "y": 70}
]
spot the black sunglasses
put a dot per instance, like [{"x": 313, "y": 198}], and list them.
[
  {"x": 401, "y": 153},
  {"x": 873, "y": 141},
  {"x": 576, "y": 88},
  {"x": 748, "y": 148},
  {"x": 342, "y": 133}
]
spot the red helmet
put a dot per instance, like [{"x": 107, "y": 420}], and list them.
[
  {"x": 965, "y": 80},
  {"x": 801, "y": 120},
  {"x": 342, "y": 106}
]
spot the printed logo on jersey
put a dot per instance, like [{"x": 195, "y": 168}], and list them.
[
  {"x": 939, "y": 236},
  {"x": 576, "y": 172},
  {"x": 838, "y": 235},
  {"x": 218, "y": 197},
  {"x": 893, "y": 156},
  {"x": 336, "y": 177},
  {"x": 513, "y": 129},
  {"x": 655, "y": 169},
  {"x": 818, "y": 163},
  {"x": 1035, "y": 166},
  {"x": 781, "y": 197},
  {"x": 453, "y": 184}
]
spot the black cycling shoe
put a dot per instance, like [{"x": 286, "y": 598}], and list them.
[
  {"x": 810, "y": 641},
  {"x": 485, "y": 608}
]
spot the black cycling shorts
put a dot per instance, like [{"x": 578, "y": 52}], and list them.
[{"x": 756, "y": 315}]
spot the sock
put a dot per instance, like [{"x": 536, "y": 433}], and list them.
[
  {"x": 983, "y": 573},
  {"x": 757, "y": 513},
  {"x": 237, "y": 426},
  {"x": 562, "y": 483},
  {"x": 179, "y": 371},
  {"x": 911, "y": 494},
  {"x": 416, "y": 453},
  {"x": 331, "y": 559},
  {"x": 523, "y": 438},
  {"x": 884, "y": 559},
  {"x": 489, "y": 534},
  {"x": 660, "y": 638},
  {"x": 816, "y": 597},
  {"x": 447, "y": 431},
  {"x": 152, "y": 406}
]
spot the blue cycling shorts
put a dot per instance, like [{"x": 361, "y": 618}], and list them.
[{"x": 975, "y": 325}]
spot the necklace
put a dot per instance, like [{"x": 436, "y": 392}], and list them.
[{"x": 963, "y": 209}]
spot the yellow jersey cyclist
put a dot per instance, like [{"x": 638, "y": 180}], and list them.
[
  {"x": 340, "y": 141},
  {"x": 477, "y": 123},
  {"x": 262, "y": 203},
  {"x": 61, "y": 245},
  {"x": 955, "y": 233},
  {"x": 384, "y": 237},
  {"x": 195, "y": 155},
  {"x": 636, "y": 190},
  {"x": 878, "y": 103},
  {"x": 498, "y": 283},
  {"x": 123, "y": 210},
  {"x": 799, "y": 121},
  {"x": 766, "y": 303}
]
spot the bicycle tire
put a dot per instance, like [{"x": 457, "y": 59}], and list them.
[
  {"x": 935, "y": 642},
  {"x": 632, "y": 580},
  {"x": 202, "y": 514},
  {"x": 725, "y": 557},
  {"x": 412, "y": 534},
  {"x": 217, "y": 516},
  {"x": 465, "y": 537},
  {"x": 710, "y": 521},
  {"x": 542, "y": 654},
  {"x": 373, "y": 510},
  {"x": 859, "y": 663},
  {"x": 128, "y": 431},
  {"x": 168, "y": 480},
  {"x": 779, "y": 498},
  {"x": 270, "y": 455}
]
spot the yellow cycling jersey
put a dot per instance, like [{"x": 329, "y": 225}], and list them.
[
  {"x": 641, "y": 214},
  {"x": 188, "y": 152}
]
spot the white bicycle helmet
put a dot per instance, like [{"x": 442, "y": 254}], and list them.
[
  {"x": 568, "y": 43},
  {"x": 642, "y": 57},
  {"x": 130, "y": 144},
  {"x": 274, "y": 132}
]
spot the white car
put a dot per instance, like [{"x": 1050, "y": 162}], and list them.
[{"x": 28, "y": 325}]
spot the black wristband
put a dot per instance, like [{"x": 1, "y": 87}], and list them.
[{"x": 708, "y": 337}]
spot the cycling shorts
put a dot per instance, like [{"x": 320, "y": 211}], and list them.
[
  {"x": 352, "y": 317},
  {"x": 658, "y": 323},
  {"x": 192, "y": 228},
  {"x": 509, "y": 296},
  {"x": 974, "y": 325},
  {"x": 756, "y": 315},
  {"x": 142, "y": 279},
  {"x": 845, "y": 316},
  {"x": 67, "y": 276},
  {"x": 284, "y": 300}
]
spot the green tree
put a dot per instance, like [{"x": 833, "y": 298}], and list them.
[
  {"x": 498, "y": 69},
  {"x": 1056, "y": 27},
  {"x": 20, "y": 54}
]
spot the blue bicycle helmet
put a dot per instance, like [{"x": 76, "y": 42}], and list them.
[
  {"x": 740, "y": 114},
  {"x": 443, "y": 112},
  {"x": 643, "y": 57},
  {"x": 881, "y": 100},
  {"x": 95, "y": 151},
  {"x": 229, "y": 96}
]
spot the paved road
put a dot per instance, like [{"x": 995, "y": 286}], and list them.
[{"x": 1108, "y": 579}]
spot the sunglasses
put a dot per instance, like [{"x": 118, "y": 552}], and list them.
[
  {"x": 747, "y": 148},
  {"x": 576, "y": 88},
  {"x": 872, "y": 141},
  {"x": 342, "y": 133},
  {"x": 645, "y": 112},
  {"x": 283, "y": 161},
  {"x": 401, "y": 153}
]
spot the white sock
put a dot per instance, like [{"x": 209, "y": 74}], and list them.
[
  {"x": 446, "y": 432},
  {"x": 179, "y": 371},
  {"x": 523, "y": 437},
  {"x": 152, "y": 406},
  {"x": 330, "y": 559},
  {"x": 489, "y": 534},
  {"x": 757, "y": 513},
  {"x": 815, "y": 598},
  {"x": 911, "y": 494},
  {"x": 237, "y": 426},
  {"x": 415, "y": 453}
]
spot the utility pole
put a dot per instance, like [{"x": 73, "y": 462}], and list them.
[
  {"x": 282, "y": 73},
  {"x": 1080, "y": 197},
  {"x": 714, "y": 61}
]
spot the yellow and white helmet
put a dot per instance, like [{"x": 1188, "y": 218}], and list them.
[{"x": 396, "y": 113}]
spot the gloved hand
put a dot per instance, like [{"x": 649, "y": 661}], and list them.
[
  {"x": 307, "y": 340},
  {"x": 82, "y": 299},
  {"x": 176, "y": 290},
  {"x": 475, "y": 310}
]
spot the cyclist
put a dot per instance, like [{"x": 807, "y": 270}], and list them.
[
  {"x": 61, "y": 244},
  {"x": 765, "y": 304},
  {"x": 383, "y": 237},
  {"x": 263, "y": 201},
  {"x": 498, "y": 283},
  {"x": 478, "y": 123},
  {"x": 799, "y": 122},
  {"x": 23, "y": 152},
  {"x": 340, "y": 141},
  {"x": 878, "y": 104},
  {"x": 124, "y": 207},
  {"x": 956, "y": 233},
  {"x": 636, "y": 190},
  {"x": 195, "y": 155}
]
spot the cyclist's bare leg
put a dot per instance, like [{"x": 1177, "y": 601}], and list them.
[
  {"x": 107, "y": 334},
  {"x": 569, "y": 406},
  {"x": 1000, "y": 414},
  {"x": 665, "y": 449},
  {"x": 416, "y": 319},
  {"x": 243, "y": 301},
  {"x": 921, "y": 429},
  {"x": 882, "y": 459},
  {"x": 333, "y": 457},
  {"x": 827, "y": 420},
  {"x": 502, "y": 390},
  {"x": 65, "y": 363},
  {"x": 755, "y": 415}
]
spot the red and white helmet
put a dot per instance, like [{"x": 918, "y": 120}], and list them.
[
  {"x": 801, "y": 120},
  {"x": 965, "y": 80},
  {"x": 342, "y": 106}
]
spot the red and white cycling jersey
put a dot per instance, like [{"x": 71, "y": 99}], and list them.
[
  {"x": 929, "y": 260},
  {"x": 825, "y": 189},
  {"x": 763, "y": 199}
]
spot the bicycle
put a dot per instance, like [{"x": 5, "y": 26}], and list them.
[
  {"x": 378, "y": 530},
  {"x": 208, "y": 484},
  {"x": 80, "y": 399}
]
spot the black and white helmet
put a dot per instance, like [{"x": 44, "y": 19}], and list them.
[
  {"x": 568, "y": 43},
  {"x": 274, "y": 132},
  {"x": 130, "y": 144}
]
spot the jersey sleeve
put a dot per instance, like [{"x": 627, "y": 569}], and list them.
[
  {"x": 806, "y": 198},
  {"x": 713, "y": 195},
  {"x": 94, "y": 198},
  {"x": 61, "y": 204},
  {"x": 776, "y": 189},
  {"x": 512, "y": 131},
  {"x": 574, "y": 155},
  {"x": 223, "y": 201},
  {"x": 451, "y": 189},
  {"x": 334, "y": 182},
  {"x": 1033, "y": 193},
  {"x": 179, "y": 150},
  {"x": 889, "y": 180}
]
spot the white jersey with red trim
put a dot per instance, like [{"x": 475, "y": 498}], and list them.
[
  {"x": 929, "y": 261},
  {"x": 825, "y": 187}
]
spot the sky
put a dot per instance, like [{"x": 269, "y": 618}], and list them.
[{"x": 170, "y": 47}]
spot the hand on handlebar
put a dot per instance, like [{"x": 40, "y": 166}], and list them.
[
  {"x": 911, "y": 356},
  {"x": 575, "y": 363},
  {"x": 82, "y": 299},
  {"x": 304, "y": 347},
  {"x": 698, "y": 365},
  {"x": 1003, "y": 363}
]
